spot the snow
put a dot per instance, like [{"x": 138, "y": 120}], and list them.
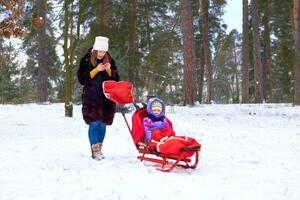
[{"x": 248, "y": 152}]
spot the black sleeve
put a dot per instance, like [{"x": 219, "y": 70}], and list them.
[
  {"x": 83, "y": 73},
  {"x": 114, "y": 72}
]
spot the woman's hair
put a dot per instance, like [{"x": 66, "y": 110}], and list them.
[{"x": 93, "y": 58}]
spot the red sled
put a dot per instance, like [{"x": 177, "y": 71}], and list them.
[{"x": 188, "y": 158}]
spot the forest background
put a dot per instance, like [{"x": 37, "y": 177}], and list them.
[{"x": 181, "y": 51}]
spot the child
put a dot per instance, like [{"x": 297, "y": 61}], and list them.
[
  {"x": 156, "y": 125},
  {"x": 159, "y": 133}
]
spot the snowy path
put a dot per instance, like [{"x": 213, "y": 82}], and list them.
[{"x": 249, "y": 152}]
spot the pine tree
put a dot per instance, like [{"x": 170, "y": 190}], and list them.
[
  {"x": 203, "y": 8},
  {"x": 258, "y": 88},
  {"x": 297, "y": 52},
  {"x": 266, "y": 55},
  {"x": 282, "y": 51},
  {"x": 68, "y": 72},
  {"x": 42, "y": 75},
  {"x": 8, "y": 69},
  {"x": 245, "y": 54},
  {"x": 188, "y": 53},
  {"x": 226, "y": 64},
  {"x": 30, "y": 70}
]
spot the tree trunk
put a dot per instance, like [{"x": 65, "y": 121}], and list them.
[
  {"x": 245, "y": 54},
  {"x": 42, "y": 83},
  {"x": 267, "y": 65},
  {"x": 150, "y": 66},
  {"x": 147, "y": 19},
  {"x": 258, "y": 92},
  {"x": 200, "y": 76},
  {"x": 68, "y": 73},
  {"x": 203, "y": 7},
  {"x": 102, "y": 17},
  {"x": 200, "y": 70},
  {"x": 132, "y": 39},
  {"x": 297, "y": 52},
  {"x": 237, "y": 85},
  {"x": 74, "y": 42},
  {"x": 189, "y": 54}
]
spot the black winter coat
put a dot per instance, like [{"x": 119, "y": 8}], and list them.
[{"x": 95, "y": 106}]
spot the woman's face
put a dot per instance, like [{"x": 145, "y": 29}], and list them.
[{"x": 101, "y": 54}]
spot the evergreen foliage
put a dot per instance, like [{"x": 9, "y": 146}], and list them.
[
  {"x": 146, "y": 43},
  {"x": 53, "y": 62}
]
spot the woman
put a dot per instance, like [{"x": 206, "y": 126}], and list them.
[{"x": 96, "y": 67}]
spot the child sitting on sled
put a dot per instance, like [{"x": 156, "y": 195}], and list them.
[{"x": 159, "y": 133}]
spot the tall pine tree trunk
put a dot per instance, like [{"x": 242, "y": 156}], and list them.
[
  {"x": 245, "y": 54},
  {"x": 267, "y": 64},
  {"x": 258, "y": 83},
  {"x": 203, "y": 7},
  {"x": 297, "y": 52},
  {"x": 200, "y": 75},
  {"x": 42, "y": 83},
  {"x": 237, "y": 85},
  {"x": 74, "y": 42},
  {"x": 189, "y": 54},
  {"x": 200, "y": 65},
  {"x": 150, "y": 82},
  {"x": 132, "y": 39},
  {"x": 68, "y": 73},
  {"x": 102, "y": 28}
]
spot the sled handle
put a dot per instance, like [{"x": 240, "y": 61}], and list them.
[
  {"x": 144, "y": 105},
  {"x": 123, "y": 114}
]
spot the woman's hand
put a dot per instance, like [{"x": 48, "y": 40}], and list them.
[
  {"x": 107, "y": 66},
  {"x": 101, "y": 67}
]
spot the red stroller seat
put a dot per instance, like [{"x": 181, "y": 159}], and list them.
[{"x": 167, "y": 161}]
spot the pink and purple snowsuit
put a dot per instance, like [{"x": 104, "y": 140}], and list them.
[{"x": 160, "y": 135}]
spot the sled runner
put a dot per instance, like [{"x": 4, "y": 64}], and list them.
[{"x": 187, "y": 158}]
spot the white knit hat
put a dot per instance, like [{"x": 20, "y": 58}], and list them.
[{"x": 101, "y": 43}]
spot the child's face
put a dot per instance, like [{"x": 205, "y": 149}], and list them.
[{"x": 156, "y": 111}]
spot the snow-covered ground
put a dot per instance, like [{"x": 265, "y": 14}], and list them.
[{"x": 248, "y": 152}]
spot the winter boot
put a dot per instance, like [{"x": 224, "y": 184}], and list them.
[
  {"x": 96, "y": 151},
  {"x": 101, "y": 153}
]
